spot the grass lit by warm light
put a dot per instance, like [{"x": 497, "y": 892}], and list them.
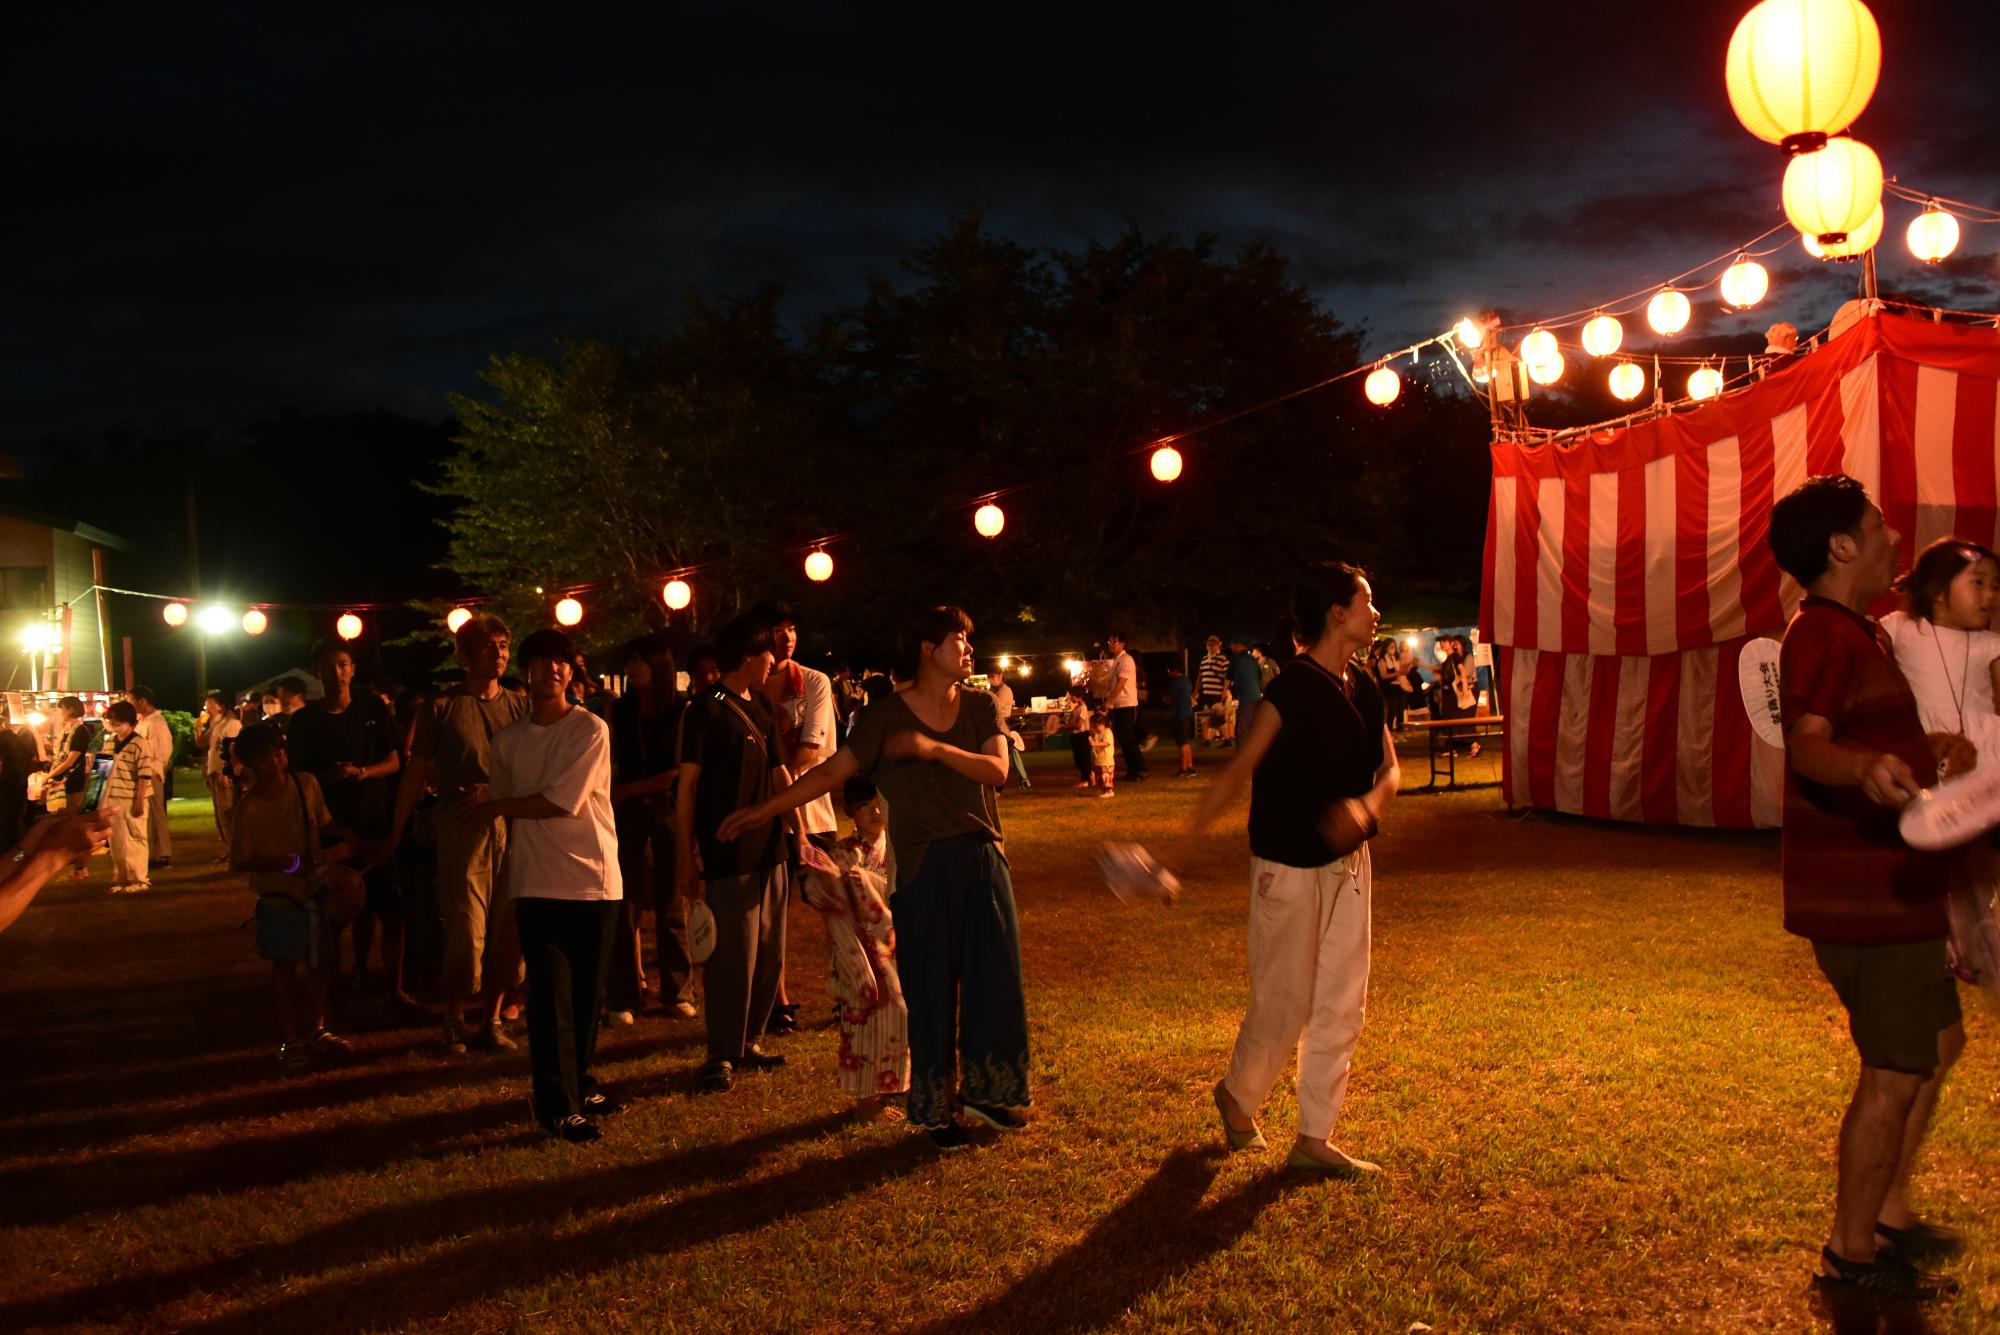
[{"x": 1602, "y": 1081}]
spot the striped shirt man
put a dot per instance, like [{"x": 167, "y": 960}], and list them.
[{"x": 1214, "y": 670}]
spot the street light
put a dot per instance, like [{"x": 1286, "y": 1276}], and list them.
[{"x": 215, "y": 619}]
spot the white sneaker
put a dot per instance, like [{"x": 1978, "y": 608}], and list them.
[
  {"x": 619, "y": 1019},
  {"x": 1955, "y": 812}
]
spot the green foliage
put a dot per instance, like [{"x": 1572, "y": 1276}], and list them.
[
  {"x": 987, "y": 366},
  {"x": 181, "y": 724}
]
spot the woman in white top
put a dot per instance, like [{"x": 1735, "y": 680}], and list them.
[{"x": 1944, "y": 646}]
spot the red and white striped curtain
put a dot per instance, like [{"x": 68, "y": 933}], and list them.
[{"x": 1625, "y": 571}]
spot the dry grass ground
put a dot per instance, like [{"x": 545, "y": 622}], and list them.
[{"x": 1603, "y": 1083}]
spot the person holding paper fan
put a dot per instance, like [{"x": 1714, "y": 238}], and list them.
[{"x": 1321, "y": 767}]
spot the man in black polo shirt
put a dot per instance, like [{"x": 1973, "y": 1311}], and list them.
[
  {"x": 347, "y": 741},
  {"x": 730, "y": 757}
]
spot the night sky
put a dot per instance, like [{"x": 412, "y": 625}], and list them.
[{"x": 211, "y": 218}]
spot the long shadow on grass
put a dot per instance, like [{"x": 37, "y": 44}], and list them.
[
  {"x": 525, "y": 1258},
  {"x": 416, "y": 1225},
  {"x": 1159, "y": 1231},
  {"x": 46, "y": 1193},
  {"x": 358, "y": 1084},
  {"x": 1846, "y": 1314}
]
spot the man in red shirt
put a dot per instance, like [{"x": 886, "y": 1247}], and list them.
[{"x": 1855, "y": 753}]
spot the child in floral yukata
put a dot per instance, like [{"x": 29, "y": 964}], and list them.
[{"x": 850, "y": 887}]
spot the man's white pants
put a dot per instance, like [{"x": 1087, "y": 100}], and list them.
[{"x": 1308, "y": 984}]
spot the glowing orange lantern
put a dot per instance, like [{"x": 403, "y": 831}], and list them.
[
  {"x": 1800, "y": 70},
  {"x": 1628, "y": 381},
  {"x": 1831, "y": 191},
  {"x": 1548, "y": 372},
  {"x": 348, "y": 627},
  {"x": 1705, "y": 383},
  {"x": 455, "y": 620},
  {"x": 989, "y": 519},
  {"x": 1166, "y": 463},
  {"x": 1603, "y": 335},
  {"x": 1744, "y": 283},
  {"x": 1933, "y": 234},
  {"x": 819, "y": 567},
  {"x": 255, "y": 622},
  {"x": 568, "y": 612},
  {"x": 676, "y": 595},
  {"x": 1539, "y": 346},
  {"x": 1382, "y": 386},
  {"x": 1857, "y": 243},
  {"x": 1668, "y": 311},
  {"x": 175, "y": 614}
]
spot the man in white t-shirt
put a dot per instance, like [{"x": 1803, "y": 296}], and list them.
[
  {"x": 551, "y": 782},
  {"x": 1123, "y": 704},
  {"x": 158, "y": 739},
  {"x": 801, "y": 701},
  {"x": 213, "y": 731}
]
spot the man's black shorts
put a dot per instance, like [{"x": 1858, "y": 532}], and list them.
[{"x": 1897, "y": 997}]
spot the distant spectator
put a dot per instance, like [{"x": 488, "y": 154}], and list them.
[
  {"x": 76, "y": 742},
  {"x": 1180, "y": 692},
  {"x": 17, "y": 761},
  {"x": 279, "y": 840},
  {"x": 214, "y": 730},
  {"x": 349, "y": 743},
  {"x": 1003, "y": 701},
  {"x": 127, "y": 798},
  {"x": 450, "y": 750},
  {"x": 291, "y": 692},
  {"x": 1211, "y": 686},
  {"x": 158, "y": 739},
  {"x": 1246, "y": 685},
  {"x": 644, "y": 721},
  {"x": 1123, "y": 706}
]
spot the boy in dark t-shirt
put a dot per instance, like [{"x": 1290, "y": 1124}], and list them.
[{"x": 730, "y": 757}]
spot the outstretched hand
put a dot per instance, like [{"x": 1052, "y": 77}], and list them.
[
  {"x": 74, "y": 835},
  {"x": 739, "y": 822}
]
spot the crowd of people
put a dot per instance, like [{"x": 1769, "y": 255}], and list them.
[{"x": 531, "y": 827}]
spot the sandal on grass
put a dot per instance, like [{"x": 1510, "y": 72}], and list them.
[
  {"x": 1920, "y": 1241},
  {"x": 1884, "y": 1277},
  {"x": 1253, "y": 1139}
]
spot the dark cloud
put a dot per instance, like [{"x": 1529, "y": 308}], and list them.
[{"x": 219, "y": 215}]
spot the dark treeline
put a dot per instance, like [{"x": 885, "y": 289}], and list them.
[
  {"x": 981, "y": 366},
  {"x": 733, "y": 439}
]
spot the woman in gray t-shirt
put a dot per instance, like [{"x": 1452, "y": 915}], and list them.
[{"x": 937, "y": 752}]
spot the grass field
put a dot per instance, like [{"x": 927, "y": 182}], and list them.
[{"x": 1603, "y": 1083}]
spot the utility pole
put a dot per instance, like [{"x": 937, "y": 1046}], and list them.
[{"x": 194, "y": 589}]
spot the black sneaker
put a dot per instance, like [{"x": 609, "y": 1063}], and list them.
[
  {"x": 715, "y": 1078},
  {"x": 1000, "y": 1119},
  {"x": 756, "y": 1059},
  {"x": 577, "y": 1130},
  {"x": 949, "y": 1138},
  {"x": 599, "y": 1104}
]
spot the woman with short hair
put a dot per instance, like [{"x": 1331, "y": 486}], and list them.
[
  {"x": 936, "y": 751},
  {"x": 1321, "y": 768}
]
